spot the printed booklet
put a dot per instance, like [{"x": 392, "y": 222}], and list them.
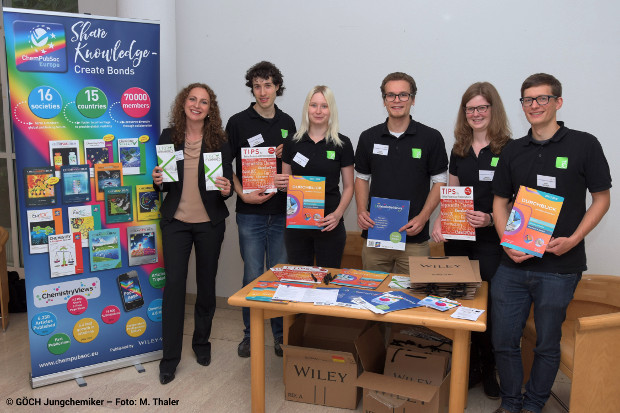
[
  {"x": 360, "y": 278},
  {"x": 65, "y": 252},
  {"x": 213, "y": 169},
  {"x": 64, "y": 153},
  {"x": 532, "y": 221},
  {"x": 142, "y": 244},
  {"x": 107, "y": 175},
  {"x": 132, "y": 155},
  {"x": 40, "y": 186},
  {"x": 84, "y": 219},
  {"x": 454, "y": 203},
  {"x": 97, "y": 151},
  {"x": 75, "y": 184},
  {"x": 167, "y": 161},
  {"x": 104, "y": 246},
  {"x": 389, "y": 215},
  {"x": 41, "y": 224},
  {"x": 259, "y": 168},
  {"x": 148, "y": 203},
  {"x": 118, "y": 205},
  {"x": 305, "y": 201}
]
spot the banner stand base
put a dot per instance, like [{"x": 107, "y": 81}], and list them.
[
  {"x": 80, "y": 373},
  {"x": 81, "y": 382},
  {"x": 139, "y": 367}
]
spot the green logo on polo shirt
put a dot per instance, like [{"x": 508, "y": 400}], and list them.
[
  {"x": 561, "y": 162},
  {"x": 494, "y": 161},
  {"x": 284, "y": 133},
  {"x": 416, "y": 153},
  {"x": 331, "y": 154}
]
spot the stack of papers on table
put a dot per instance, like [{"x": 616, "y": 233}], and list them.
[
  {"x": 376, "y": 302},
  {"x": 360, "y": 278},
  {"x": 452, "y": 277},
  {"x": 265, "y": 290},
  {"x": 300, "y": 273}
]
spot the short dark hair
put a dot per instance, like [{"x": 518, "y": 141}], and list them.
[
  {"x": 399, "y": 76},
  {"x": 265, "y": 70},
  {"x": 540, "y": 79}
]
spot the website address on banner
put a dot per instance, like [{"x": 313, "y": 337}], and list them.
[{"x": 69, "y": 359}]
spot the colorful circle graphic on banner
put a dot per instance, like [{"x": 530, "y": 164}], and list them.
[
  {"x": 135, "y": 327},
  {"x": 45, "y": 102},
  {"x": 58, "y": 343},
  {"x": 43, "y": 323},
  {"x": 85, "y": 330},
  {"x": 136, "y": 102},
  {"x": 111, "y": 314},
  {"x": 91, "y": 102},
  {"x": 77, "y": 304},
  {"x": 154, "y": 310},
  {"x": 157, "y": 278}
]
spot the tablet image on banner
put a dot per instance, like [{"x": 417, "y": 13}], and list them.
[
  {"x": 131, "y": 156},
  {"x": 305, "y": 201},
  {"x": 64, "y": 153},
  {"x": 65, "y": 251},
  {"x": 148, "y": 203},
  {"x": 531, "y": 221},
  {"x": 118, "y": 205},
  {"x": 107, "y": 175},
  {"x": 167, "y": 161},
  {"x": 259, "y": 168},
  {"x": 97, "y": 151},
  {"x": 454, "y": 203},
  {"x": 389, "y": 215},
  {"x": 84, "y": 219},
  {"x": 41, "y": 224},
  {"x": 142, "y": 244},
  {"x": 75, "y": 184},
  {"x": 104, "y": 246},
  {"x": 40, "y": 186},
  {"x": 213, "y": 169}
]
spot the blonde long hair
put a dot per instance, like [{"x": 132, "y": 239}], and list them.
[{"x": 332, "y": 125}]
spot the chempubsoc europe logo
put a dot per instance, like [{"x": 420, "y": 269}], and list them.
[{"x": 40, "y": 46}]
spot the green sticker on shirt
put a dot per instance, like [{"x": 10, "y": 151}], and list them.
[
  {"x": 494, "y": 161},
  {"x": 561, "y": 162},
  {"x": 284, "y": 133},
  {"x": 331, "y": 154},
  {"x": 416, "y": 153}
]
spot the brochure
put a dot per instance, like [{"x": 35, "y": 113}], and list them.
[
  {"x": 64, "y": 153},
  {"x": 305, "y": 201},
  {"x": 213, "y": 169},
  {"x": 385, "y": 302},
  {"x": 167, "y": 160},
  {"x": 132, "y": 155},
  {"x": 439, "y": 303},
  {"x": 400, "y": 282},
  {"x": 142, "y": 244},
  {"x": 104, "y": 247},
  {"x": 532, "y": 221},
  {"x": 84, "y": 219},
  {"x": 118, "y": 205},
  {"x": 264, "y": 290},
  {"x": 65, "y": 252},
  {"x": 454, "y": 203},
  {"x": 300, "y": 273},
  {"x": 97, "y": 151},
  {"x": 389, "y": 215},
  {"x": 41, "y": 224},
  {"x": 148, "y": 203},
  {"x": 39, "y": 185},
  {"x": 360, "y": 278},
  {"x": 107, "y": 175},
  {"x": 259, "y": 168},
  {"x": 75, "y": 184}
]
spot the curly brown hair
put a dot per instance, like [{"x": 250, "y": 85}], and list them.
[
  {"x": 212, "y": 132},
  {"x": 499, "y": 130}
]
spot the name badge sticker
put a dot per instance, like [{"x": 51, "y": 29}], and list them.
[
  {"x": 300, "y": 159},
  {"x": 485, "y": 176},
  {"x": 545, "y": 181},
  {"x": 380, "y": 149},
  {"x": 256, "y": 140},
  {"x": 179, "y": 155}
]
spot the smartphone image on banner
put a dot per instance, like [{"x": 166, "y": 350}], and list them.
[{"x": 129, "y": 288}]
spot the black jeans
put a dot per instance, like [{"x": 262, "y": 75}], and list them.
[
  {"x": 304, "y": 245},
  {"x": 178, "y": 238}
]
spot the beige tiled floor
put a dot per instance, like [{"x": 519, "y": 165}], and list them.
[{"x": 224, "y": 386}]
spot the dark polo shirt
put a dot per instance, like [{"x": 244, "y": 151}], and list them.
[
  {"x": 575, "y": 161},
  {"x": 247, "y": 124},
  {"x": 405, "y": 168}
]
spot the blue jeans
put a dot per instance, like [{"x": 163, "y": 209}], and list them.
[
  {"x": 261, "y": 239},
  {"x": 513, "y": 291}
]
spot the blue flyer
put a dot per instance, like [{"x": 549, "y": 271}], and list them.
[{"x": 389, "y": 215}]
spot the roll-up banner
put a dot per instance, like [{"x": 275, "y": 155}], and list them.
[{"x": 84, "y": 99}]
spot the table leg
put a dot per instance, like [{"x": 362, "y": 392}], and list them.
[
  {"x": 287, "y": 322},
  {"x": 257, "y": 349},
  {"x": 459, "y": 377}
]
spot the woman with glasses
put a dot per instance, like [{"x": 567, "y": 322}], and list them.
[
  {"x": 480, "y": 134},
  {"x": 317, "y": 149}
]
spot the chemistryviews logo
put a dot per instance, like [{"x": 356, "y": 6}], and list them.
[
  {"x": 55, "y": 294},
  {"x": 40, "y": 46}
]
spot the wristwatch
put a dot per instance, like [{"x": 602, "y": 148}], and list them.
[{"x": 491, "y": 220}]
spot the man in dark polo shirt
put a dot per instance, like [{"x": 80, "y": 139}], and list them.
[
  {"x": 399, "y": 159},
  {"x": 564, "y": 162},
  {"x": 261, "y": 217}
]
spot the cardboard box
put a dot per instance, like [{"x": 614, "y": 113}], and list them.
[
  {"x": 419, "y": 337},
  {"x": 321, "y": 361},
  {"x": 384, "y": 394},
  {"x": 416, "y": 366}
]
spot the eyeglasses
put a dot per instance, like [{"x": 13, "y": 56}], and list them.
[
  {"x": 541, "y": 100},
  {"x": 391, "y": 97},
  {"x": 481, "y": 109}
]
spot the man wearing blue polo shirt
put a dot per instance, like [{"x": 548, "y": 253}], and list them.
[{"x": 561, "y": 161}]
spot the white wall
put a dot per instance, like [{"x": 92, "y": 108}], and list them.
[{"x": 445, "y": 46}]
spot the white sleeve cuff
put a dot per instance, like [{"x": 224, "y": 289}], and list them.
[
  {"x": 362, "y": 176},
  {"x": 441, "y": 178}
]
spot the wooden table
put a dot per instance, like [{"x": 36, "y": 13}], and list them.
[{"x": 457, "y": 330}]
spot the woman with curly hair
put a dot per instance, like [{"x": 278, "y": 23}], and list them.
[
  {"x": 480, "y": 134},
  {"x": 191, "y": 216}
]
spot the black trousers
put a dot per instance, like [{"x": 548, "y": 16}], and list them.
[
  {"x": 178, "y": 238},
  {"x": 488, "y": 253},
  {"x": 304, "y": 245}
]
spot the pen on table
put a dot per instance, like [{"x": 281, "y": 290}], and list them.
[{"x": 313, "y": 277}]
